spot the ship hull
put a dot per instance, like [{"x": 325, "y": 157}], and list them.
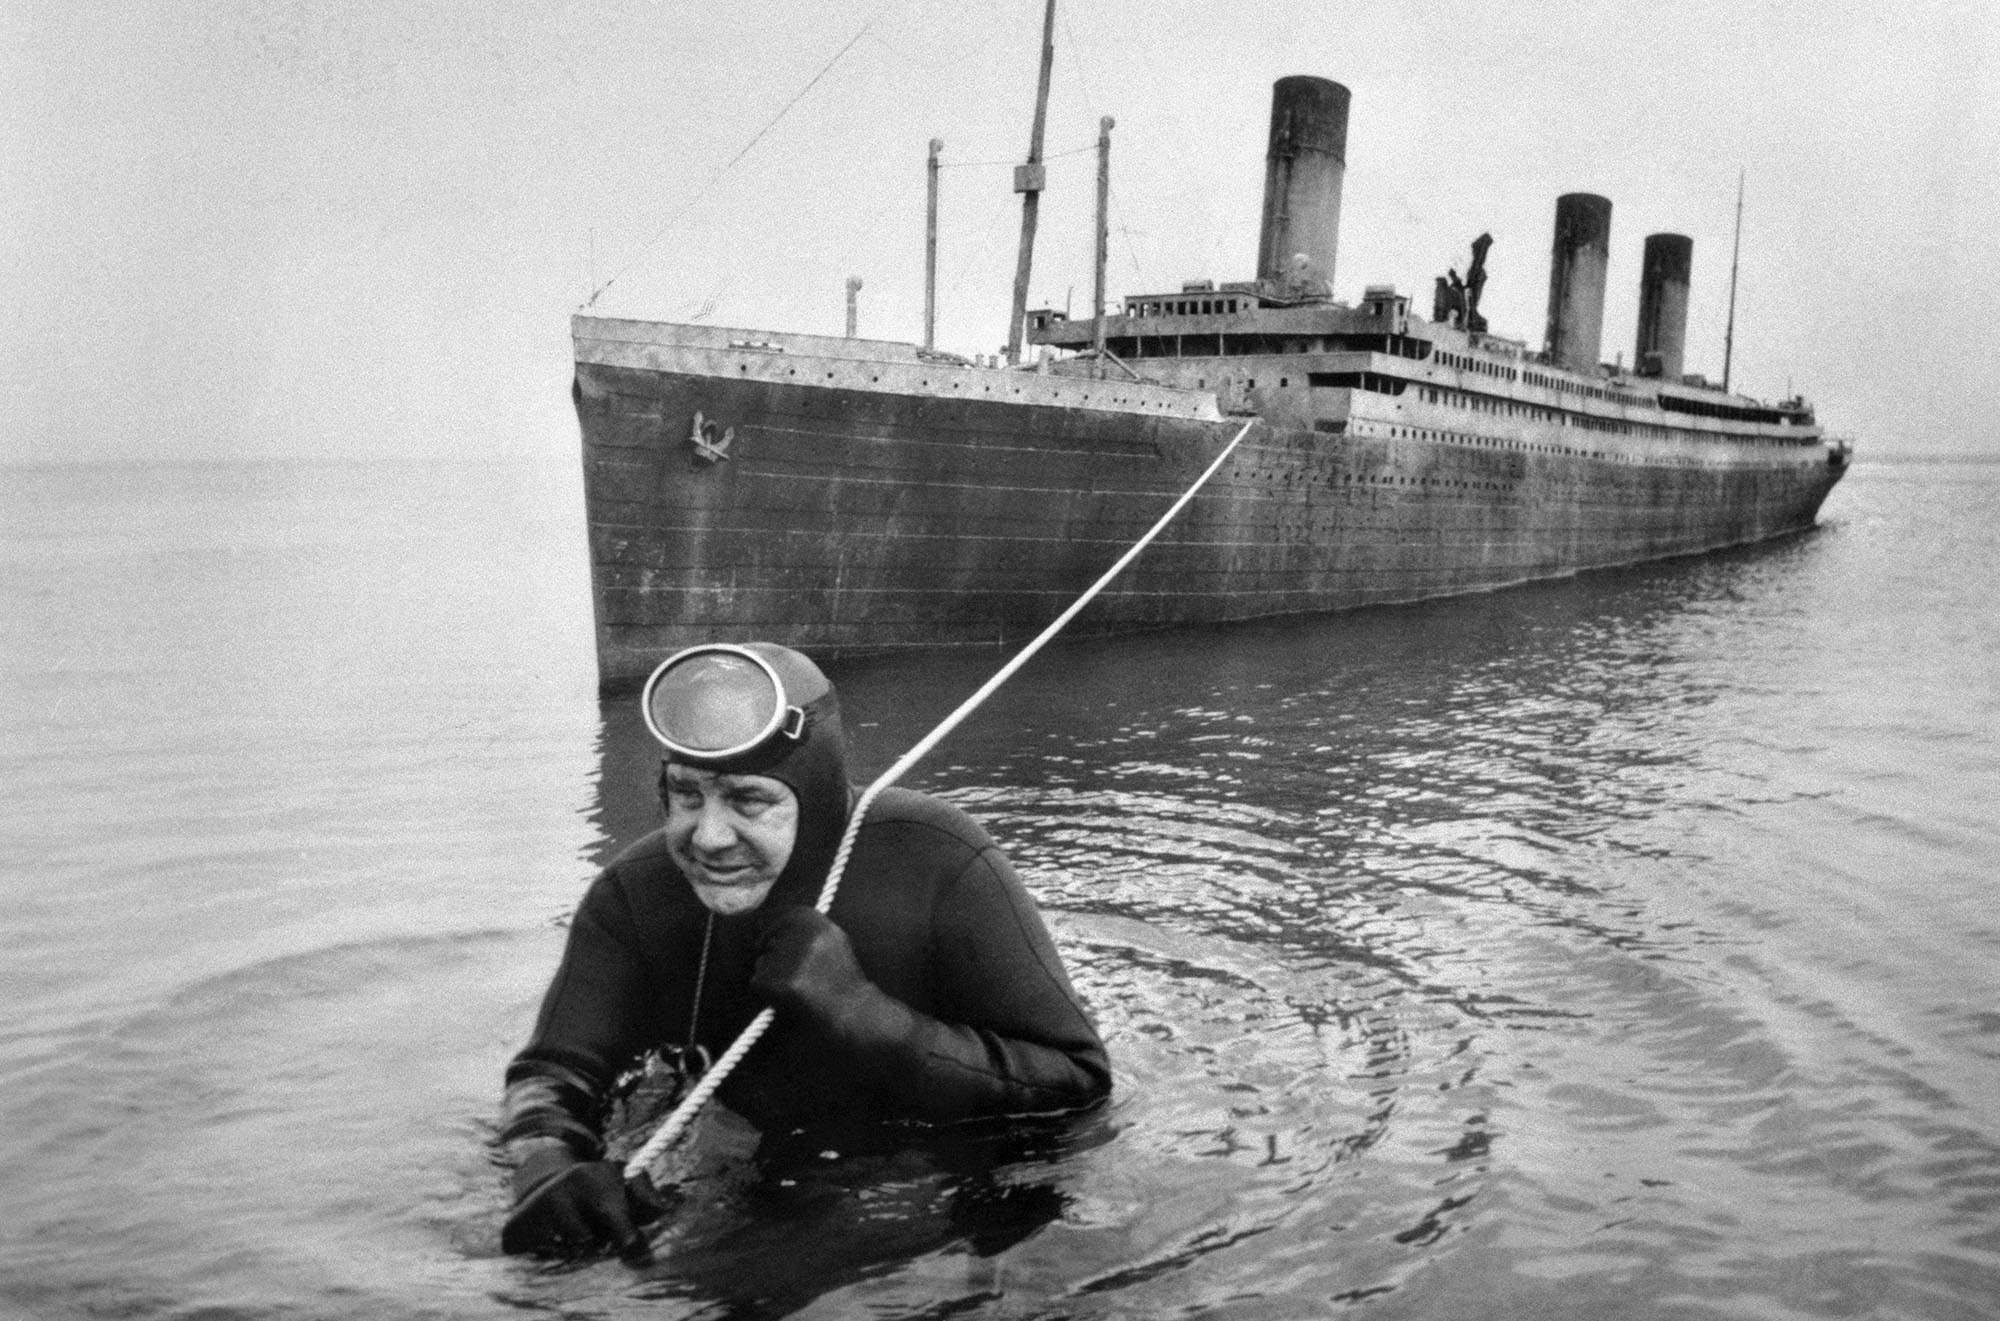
[{"x": 848, "y": 505}]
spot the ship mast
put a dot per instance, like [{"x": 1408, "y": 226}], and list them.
[
  {"x": 1104, "y": 127},
  {"x": 1028, "y": 181},
  {"x": 930, "y": 251},
  {"x": 1736, "y": 247}
]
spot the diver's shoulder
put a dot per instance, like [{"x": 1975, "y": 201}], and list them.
[{"x": 912, "y": 810}]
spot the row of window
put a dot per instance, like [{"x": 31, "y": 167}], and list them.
[
  {"x": 1729, "y": 412},
  {"x": 1612, "y": 426},
  {"x": 1568, "y": 386},
  {"x": 1374, "y": 382},
  {"x": 1340, "y": 427},
  {"x": 1481, "y": 365},
  {"x": 1185, "y": 306},
  {"x": 1547, "y": 382},
  {"x": 1377, "y": 383},
  {"x": 1248, "y": 345},
  {"x": 1481, "y": 403},
  {"x": 1500, "y": 371},
  {"x": 1486, "y": 442}
]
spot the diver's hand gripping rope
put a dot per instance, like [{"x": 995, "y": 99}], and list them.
[{"x": 643, "y": 1160}]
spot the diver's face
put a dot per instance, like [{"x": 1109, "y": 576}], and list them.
[{"x": 731, "y": 834}]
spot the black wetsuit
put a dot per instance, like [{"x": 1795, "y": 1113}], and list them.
[{"x": 938, "y": 921}]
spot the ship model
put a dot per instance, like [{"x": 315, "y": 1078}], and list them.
[{"x": 848, "y": 496}]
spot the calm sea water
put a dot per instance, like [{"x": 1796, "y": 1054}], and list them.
[{"x": 1622, "y": 946}]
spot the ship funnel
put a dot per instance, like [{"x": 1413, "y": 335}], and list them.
[
  {"x": 1663, "y": 305},
  {"x": 1576, "y": 280},
  {"x": 1303, "y": 168}
]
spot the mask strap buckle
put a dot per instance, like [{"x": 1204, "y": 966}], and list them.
[{"x": 795, "y": 724}]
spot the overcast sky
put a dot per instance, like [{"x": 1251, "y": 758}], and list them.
[{"x": 273, "y": 227}]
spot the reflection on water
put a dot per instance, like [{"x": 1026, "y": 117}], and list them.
[{"x": 1612, "y": 947}]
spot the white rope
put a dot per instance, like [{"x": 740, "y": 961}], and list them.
[{"x": 646, "y": 1157}]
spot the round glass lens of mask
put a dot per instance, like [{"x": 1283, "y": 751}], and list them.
[{"x": 713, "y": 703}]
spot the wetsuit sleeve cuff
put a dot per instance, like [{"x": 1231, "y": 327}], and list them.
[{"x": 551, "y": 1105}]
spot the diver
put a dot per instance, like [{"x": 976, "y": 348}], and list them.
[{"x": 932, "y": 993}]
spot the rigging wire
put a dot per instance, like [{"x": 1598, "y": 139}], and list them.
[
  {"x": 713, "y": 179},
  {"x": 1073, "y": 49},
  {"x": 977, "y": 256},
  {"x": 1016, "y": 160},
  {"x": 1076, "y": 61},
  {"x": 1131, "y": 248}
]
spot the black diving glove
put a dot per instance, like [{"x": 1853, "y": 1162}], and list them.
[
  {"x": 565, "y": 1206},
  {"x": 806, "y": 966}
]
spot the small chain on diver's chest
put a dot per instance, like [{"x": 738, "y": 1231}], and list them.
[{"x": 695, "y": 1059}]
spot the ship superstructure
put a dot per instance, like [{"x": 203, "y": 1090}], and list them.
[{"x": 847, "y": 495}]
